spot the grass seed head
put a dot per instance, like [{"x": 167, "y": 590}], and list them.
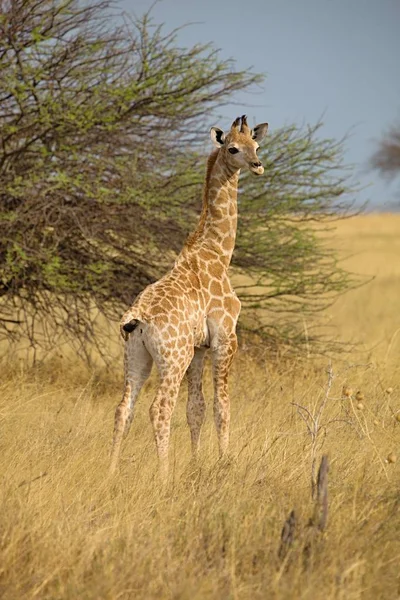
[
  {"x": 347, "y": 391},
  {"x": 391, "y": 458},
  {"x": 397, "y": 417},
  {"x": 360, "y": 406},
  {"x": 359, "y": 396},
  {"x": 389, "y": 390}
]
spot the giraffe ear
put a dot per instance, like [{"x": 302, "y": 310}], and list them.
[
  {"x": 260, "y": 131},
  {"x": 217, "y": 136}
]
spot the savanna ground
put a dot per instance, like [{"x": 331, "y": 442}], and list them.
[{"x": 67, "y": 531}]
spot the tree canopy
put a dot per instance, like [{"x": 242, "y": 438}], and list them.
[
  {"x": 103, "y": 123},
  {"x": 386, "y": 159}
]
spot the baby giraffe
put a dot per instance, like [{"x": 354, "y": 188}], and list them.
[{"x": 192, "y": 308}]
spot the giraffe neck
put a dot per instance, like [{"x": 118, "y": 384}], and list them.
[{"x": 216, "y": 229}]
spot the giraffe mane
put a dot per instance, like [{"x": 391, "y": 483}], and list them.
[{"x": 195, "y": 236}]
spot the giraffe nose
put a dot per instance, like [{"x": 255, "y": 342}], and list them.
[{"x": 256, "y": 164}]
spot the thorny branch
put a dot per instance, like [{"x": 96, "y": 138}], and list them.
[{"x": 102, "y": 130}]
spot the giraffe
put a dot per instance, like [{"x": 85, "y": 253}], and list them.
[{"x": 192, "y": 308}]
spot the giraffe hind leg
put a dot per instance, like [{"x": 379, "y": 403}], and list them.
[{"x": 138, "y": 363}]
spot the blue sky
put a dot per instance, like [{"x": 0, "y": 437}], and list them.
[{"x": 339, "y": 59}]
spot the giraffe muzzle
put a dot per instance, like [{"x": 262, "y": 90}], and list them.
[{"x": 256, "y": 168}]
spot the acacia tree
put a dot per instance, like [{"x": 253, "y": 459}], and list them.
[
  {"x": 286, "y": 271},
  {"x": 97, "y": 146},
  {"x": 386, "y": 159},
  {"x": 101, "y": 167}
]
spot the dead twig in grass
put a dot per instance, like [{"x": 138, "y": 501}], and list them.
[
  {"x": 287, "y": 535},
  {"x": 27, "y": 482},
  {"x": 316, "y": 525},
  {"x": 320, "y": 517},
  {"x": 318, "y": 522},
  {"x": 314, "y": 425}
]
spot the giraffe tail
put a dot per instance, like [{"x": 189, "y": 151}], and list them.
[
  {"x": 128, "y": 327},
  {"x": 131, "y": 326},
  {"x": 129, "y": 322}
]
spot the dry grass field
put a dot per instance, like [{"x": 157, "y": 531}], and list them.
[{"x": 68, "y": 531}]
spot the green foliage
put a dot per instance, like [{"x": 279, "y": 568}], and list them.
[
  {"x": 87, "y": 110},
  {"x": 102, "y": 129},
  {"x": 286, "y": 270}
]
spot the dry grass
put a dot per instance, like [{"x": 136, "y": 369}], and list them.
[
  {"x": 370, "y": 314},
  {"x": 68, "y": 532}
]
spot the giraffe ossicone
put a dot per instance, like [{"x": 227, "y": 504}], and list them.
[{"x": 193, "y": 308}]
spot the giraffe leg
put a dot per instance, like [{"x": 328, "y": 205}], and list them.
[
  {"x": 160, "y": 415},
  {"x": 138, "y": 364},
  {"x": 222, "y": 358},
  {"x": 163, "y": 405},
  {"x": 196, "y": 406}
]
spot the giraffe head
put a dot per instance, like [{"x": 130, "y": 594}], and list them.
[{"x": 240, "y": 144}]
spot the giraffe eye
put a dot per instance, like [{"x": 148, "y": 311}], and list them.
[{"x": 233, "y": 150}]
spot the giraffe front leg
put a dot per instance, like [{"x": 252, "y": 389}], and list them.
[
  {"x": 196, "y": 406},
  {"x": 222, "y": 359}
]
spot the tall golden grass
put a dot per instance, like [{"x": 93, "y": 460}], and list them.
[{"x": 68, "y": 531}]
